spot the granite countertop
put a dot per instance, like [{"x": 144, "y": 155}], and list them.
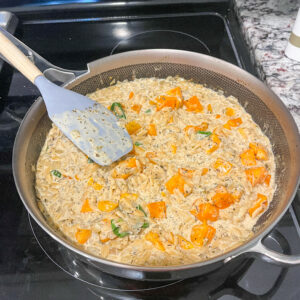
[{"x": 267, "y": 26}]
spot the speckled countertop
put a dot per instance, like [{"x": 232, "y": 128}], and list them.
[{"x": 267, "y": 25}]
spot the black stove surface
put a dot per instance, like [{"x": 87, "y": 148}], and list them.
[{"x": 26, "y": 271}]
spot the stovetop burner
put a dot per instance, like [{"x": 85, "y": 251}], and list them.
[
  {"x": 160, "y": 39},
  {"x": 70, "y": 39}
]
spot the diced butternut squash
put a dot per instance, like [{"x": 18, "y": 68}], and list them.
[
  {"x": 97, "y": 186},
  {"x": 136, "y": 107},
  {"x": 153, "y": 237},
  {"x": 104, "y": 240},
  {"x": 131, "y": 162},
  {"x": 152, "y": 130},
  {"x": 183, "y": 243},
  {"x": 82, "y": 235},
  {"x": 175, "y": 182},
  {"x": 206, "y": 212},
  {"x": 223, "y": 199},
  {"x": 223, "y": 166},
  {"x": 233, "y": 123},
  {"x": 107, "y": 206},
  {"x": 174, "y": 149},
  {"x": 248, "y": 158},
  {"x": 267, "y": 180},
  {"x": 218, "y": 116},
  {"x": 132, "y": 127},
  {"x": 157, "y": 209},
  {"x": 76, "y": 177},
  {"x": 202, "y": 235},
  {"x": 215, "y": 138},
  {"x": 86, "y": 207},
  {"x": 168, "y": 101},
  {"x": 131, "y": 95},
  {"x": 260, "y": 205},
  {"x": 256, "y": 175},
  {"x": 230, "y": 112},
  {"x": 175, "y": 92},
  {"x": 90, "y": 181},
  {"x": 193, "y": 104},
  {"x": 204, "y": 171},
  {"x": 186, "y": 172},
  {"x": 209, "y": 108},
  {"x": 260, "y": 152}
]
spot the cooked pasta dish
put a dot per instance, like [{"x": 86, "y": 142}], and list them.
[{"x": 199, "y": 176}]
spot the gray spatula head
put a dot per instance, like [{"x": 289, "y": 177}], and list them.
[{"x": 88, "y": 124}]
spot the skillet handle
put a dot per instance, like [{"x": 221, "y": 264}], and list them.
[
  {"x": 259, "y": 250},
  {"x": 273, "y": 257}
]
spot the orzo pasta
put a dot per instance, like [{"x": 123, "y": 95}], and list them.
[{"x": 199, "y": 176}]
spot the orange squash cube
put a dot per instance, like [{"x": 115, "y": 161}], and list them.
[
  {"x": 223, "y": 200},
  {"x": 107, "y": 206},
  {"x": 223, "y": 166},
  {"x": 260, "y": 205},
  {"x": 233, "y": 123},
  {"x": 202, "y": 235},
  {"x": 248, "y": 158},
  {"x": 82, "y": 235},
  {"x": 207, "y": 212},
  {"x": 136, "y": 107},
  {"x": 153, "y": 237},
  {"x": 132, "y": 127},
  {"x": 184, "y": 244},
  {"x": 86, "y": 207},
  {"x": 193, "y": 104},
  {"x": 152, "y": 130},
  {"x": 175, "y": 182},
  {"x": 256, "y": 175},
  {"x": 157, "y": 209},
  {"x": 260, "y": 152}
]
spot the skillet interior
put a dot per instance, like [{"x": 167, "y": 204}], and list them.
[{"x": 264, "y": 111}]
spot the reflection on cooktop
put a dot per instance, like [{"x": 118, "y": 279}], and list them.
[{"x": 161, "y": 39}]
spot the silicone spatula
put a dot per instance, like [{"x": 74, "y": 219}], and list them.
[{"x": 89, "y": 125}]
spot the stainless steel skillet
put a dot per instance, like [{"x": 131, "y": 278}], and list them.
[{"x": 264, "y": 106}]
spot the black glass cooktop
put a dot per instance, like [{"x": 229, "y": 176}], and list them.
[{"x": 32, "y": 265}]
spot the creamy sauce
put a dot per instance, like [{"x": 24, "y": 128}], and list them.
[{"x": 148, "y": 208}]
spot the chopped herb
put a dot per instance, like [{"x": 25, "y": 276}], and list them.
[
  {"x": 145, "y": 225},
  {"x": 207, "y": 133},
  {"x": 138, "y": 143},
  {"x": 148, "y": 111},
  {"x": 117, "y": 106},
  {"x": 142, "y": 210},
  {"x": 90, "y": 161},
  {"x": 56, "y": 173},
  {"x": 116, "y": 230}
]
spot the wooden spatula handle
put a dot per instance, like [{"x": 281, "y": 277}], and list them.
[{"x": 18, "y": 59}]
